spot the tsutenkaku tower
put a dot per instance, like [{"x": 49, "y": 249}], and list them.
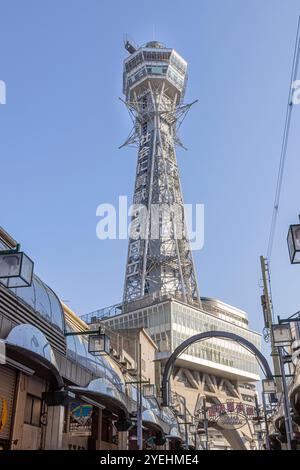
[{"x": 159, "y": 259}]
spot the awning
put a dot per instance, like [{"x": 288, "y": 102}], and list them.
[
  {"x": 151, "y": 421},
  {"x": 104, "y": 392},
  {"x": 153, "y": 416},
  {"x": 295, "y": 397},
  {"x": 27, "y": 345},
  {"x": 175, "y": 434}
]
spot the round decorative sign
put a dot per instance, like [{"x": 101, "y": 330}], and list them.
[{"x": 231, "y": 420}]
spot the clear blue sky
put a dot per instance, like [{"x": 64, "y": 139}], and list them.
[{"x": 62, "y": 124}]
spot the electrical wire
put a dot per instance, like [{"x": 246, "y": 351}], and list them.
[{"x": 284, "y": 144}]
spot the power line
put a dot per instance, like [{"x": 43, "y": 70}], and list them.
[{"x": 284, "y": 144}]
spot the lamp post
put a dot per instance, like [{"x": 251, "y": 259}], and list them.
[
  {"x": 202, "y": 406},
  {"x": 193, "y": 430},
  {"x": 282, "y": 337},
  {"x": 203, "y": 439},
  {"x": 180, "y": 408},
  {"x": 257, "y": 423},
  {"x": 186, "y": 434},
  {"x": 266, "y": 421},
  {"x": 268, "y": 388}
]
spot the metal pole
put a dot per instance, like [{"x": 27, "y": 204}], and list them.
[
  {"x": 205, "y": 423},
  {"x": 196, "y": 442},
  {"x": 259, "y": 436},
  {"x": 186, "y": 438},
  {"x": 140, "y": 403},
  {"x": 186, "y": 426},
  {"x": 266, "y": 421},
  {"x": 287, "y": 412}
]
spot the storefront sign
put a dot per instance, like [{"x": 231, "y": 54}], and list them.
[
  {"x": 80, "y": 419},
  {"x": 3, "y": 411}
]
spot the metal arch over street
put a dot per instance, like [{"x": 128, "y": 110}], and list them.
[{"x": 206, "y": 335}]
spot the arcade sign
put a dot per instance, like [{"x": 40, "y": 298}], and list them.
[{"x": 230, "y": 415}]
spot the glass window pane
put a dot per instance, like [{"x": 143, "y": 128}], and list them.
[
  {"x": 42, "y": 300},
  {"x": 27, "y": 294},
  {"x": 81, "y": 350},
  {"x": 56, "y": 308}
]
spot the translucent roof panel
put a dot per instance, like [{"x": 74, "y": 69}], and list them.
[{"x": 44, "y": 301}]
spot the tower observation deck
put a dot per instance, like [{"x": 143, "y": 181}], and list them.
[{"x": 159, "y": 259}]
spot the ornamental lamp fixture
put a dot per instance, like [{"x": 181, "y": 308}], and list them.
[
  {"x": 99, "y": 344},
  {"x": 269, "y": 386},
  {"x": 149, "y": 391},
  {"x": 293, "y": 241},
  {"x": 16, "y": 268},
  {"x": 202, "y": 437},
  {"x": 282, "y": 335},
  {"x": 257, "y": 426}
]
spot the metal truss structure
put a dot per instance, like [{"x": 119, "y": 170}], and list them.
[{"x": 159, "y": 259}]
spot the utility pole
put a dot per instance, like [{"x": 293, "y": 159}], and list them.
[{"x": 266, "y": 300}]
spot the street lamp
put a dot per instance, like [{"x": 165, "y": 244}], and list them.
[
  {"x": 293, "y": 240},
  {"x": 269, "y": 386},
  {"x": 282, "y": 334},
  {"x": 149, "y": 391},
  {"x": 99, "y": 344},
  {"x": 257, "y": 427},
  {"x": 16, "y": 268}
]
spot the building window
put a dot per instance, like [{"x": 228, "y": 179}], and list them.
[{"x": 33, "y": 410}]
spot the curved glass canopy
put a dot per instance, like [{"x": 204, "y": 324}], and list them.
[{"x": 44, "y": 301}]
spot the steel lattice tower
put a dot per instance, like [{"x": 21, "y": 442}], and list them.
[{"x": 159, "y": 259}]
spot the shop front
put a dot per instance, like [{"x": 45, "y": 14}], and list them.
[
  {"x": 30, "y": 371},
  {"x": 7, "y": 400},
  {"x": 109, "y": 412}
]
